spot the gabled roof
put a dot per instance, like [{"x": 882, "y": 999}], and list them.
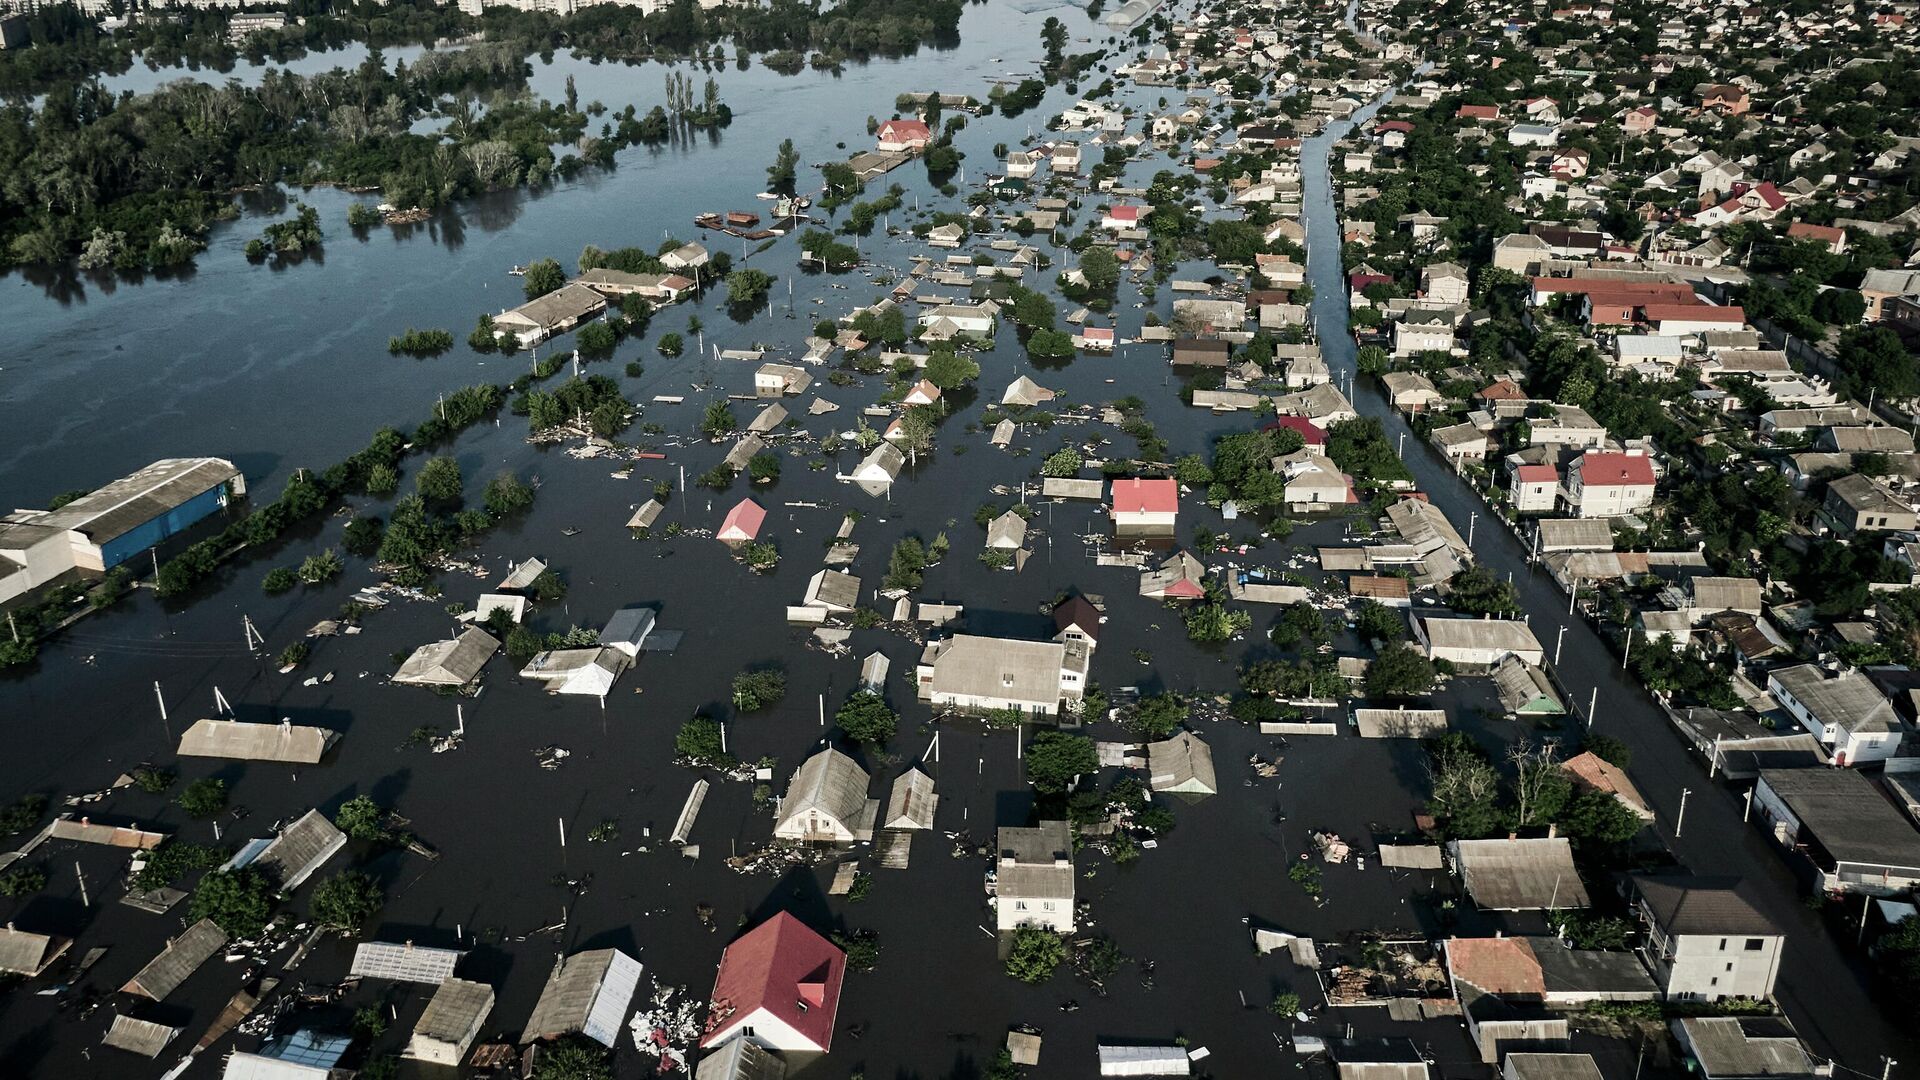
[
  {"x": 1139, "y": 496},
  {"x": 1614, "y": 470},
  {"x": 1502, "y": 965},
  {"x": 29, "y": 954},
  {"x": 586, "y": 993},
  {"x": 785, "y": 968},
  {"x": 282, "y": 742},
  {"x": 1078, "y": 613},
  {"x": 742, "y": 522},
  {"x": 449, "y": 663},
  {"x": 180, "y": 958},
  {"x": 300, "y": 849}
]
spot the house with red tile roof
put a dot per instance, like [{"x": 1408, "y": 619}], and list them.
[
  {"x": 1835, "y": 239},
  {"x": 1477, "y": 112},
  {"x": 1591, "y": 772},
  {"x": 1603, "y": 484},
  {"x": 1640, "y": 121},
  {"x": 1311, "y": 434},
  {"x": 901, "y": 135},
  {"x": 1535, "y": 489},
  {"x": 1121, "y": 216},
  {"x": 742, "y": 523},
  {"x": 1145, "y": 504},
  {"x": 779, "y": 987},
  {"x": 1679, "y": 320}
]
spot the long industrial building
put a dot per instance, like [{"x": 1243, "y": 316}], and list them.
[{"x": 100, "y": 530}]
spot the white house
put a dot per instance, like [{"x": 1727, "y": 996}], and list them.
[
  {"x": 1609, "y": 485},
  {"x": 986, "y": 674},
  {"x": 827, "y": 802},
  {"x": 1847, "y": 713},
  {"x": 1034, "y": 879},
  {"x": 1705, "y": 941}
]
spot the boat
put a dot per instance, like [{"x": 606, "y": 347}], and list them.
[
  {"x": 517, "y": 271},
  {"x": 767, "y": 195}
]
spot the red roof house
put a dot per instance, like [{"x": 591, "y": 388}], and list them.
[
  {"x": 1145, "y": 502},
  {"x": 1478, "y": 112},
  {"x": 742, "y": 522},
  {"x": 778, "y": 985},
  {"x": 904, "y": 135},
  {"x": 1121, "y": 216},
  {"x": 1310, "y": 433}
]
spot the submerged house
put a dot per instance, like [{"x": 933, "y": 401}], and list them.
[
  {"x": 742, "y": 523},
  {"x": 555, "y": 313},
  {"x": 586, "y": 994},
  {"x": 970, "y": 672},
  {"x": 105, "y": 528},
  {"x": 451, "y": 1023},
  {"x": 911, "y": 802},
  {"x": 778, "y": 987},
  {"x": 456, "y": 662},
  {"x": 284, "y": 742},
  {"x": 1034, "y": 877},
  {"x": 591, "y": 670},
  {"x": 1182, "y": 765},
  {"x": 826, "y": 802}
]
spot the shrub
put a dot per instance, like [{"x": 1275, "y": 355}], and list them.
[
  {"x": 1035, "y": 955},
  {"x": 204, "y": 797}
]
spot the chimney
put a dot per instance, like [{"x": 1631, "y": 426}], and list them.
[{"x": 1552, "y": 831}]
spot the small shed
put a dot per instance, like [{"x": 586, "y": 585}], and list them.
[
  {"x": 1144, "y": 1061},
  {"x": 1023, "y": 1047},
  {"x": 143, "y": 1037},
  {"x": 911, "y": 802},
  {"x": 1007, "y": 532},
  {"x": 404, "y": 962},
  {"x": 522, "y": 576},
  {"x": 873, "y": 670},
  {"x": 451, "y": 1023},
  {"x": 1182, "y": 765}
]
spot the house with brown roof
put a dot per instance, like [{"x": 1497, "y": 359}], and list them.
[{"x": 1705, "y": 940}]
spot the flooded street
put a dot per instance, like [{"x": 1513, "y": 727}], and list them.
[{"x": 278, "y": 368}]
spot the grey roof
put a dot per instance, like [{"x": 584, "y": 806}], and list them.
[
  {"x": 1004, "y": 668},
  {"x": 283, "y": 742},
  {"x": 1401, "y": 723},
  {"x": 645, "y": 516},
  {"x": 743, "y": 451},
  {"x": 741, "y": 1058},
  {"x": 449, "y": 663},
  {"x": 1552, "y": 1067},
  {"x": 404, "y": 962},
  {"x": 1520, "y": 684},
  {"x": 1744, "y": 1047},
  {"x": 1591, "y": 971},
  {"x": 1182, "y": 763},
  {"x": 134, "y": 500},
  {"x": 1725, "y": 593},
  {"x": 831, "y": 783},
  {"x": 769, "y": 418},
  {"x": 1009, "y": 530},
  {"x": 1575, "y": 534},
  {"x": 1850, "y": 700},
  {"x": 1520, "y": 874},
  {"x": 522, "y": 575},
  {"x": 143, "y": 1037},
  {"x": 830, "y": 588},
  {"x": 573, "y": 1001},
  {"x": 571, "y": 301},
  {"x": 1686, "y": 904},
  {"x": 457, "y": 1007},
  {"x": 911, "y": 802},
  {"x": 1045, "y": 844},
  {"x": 1849, "y": 817},
  {"x": 1423, "y": 524},
  {"x": 628, "y": 628},
  {"x": 28, "y": 954},
  {"x": 300, "y": 849},
  {"x": 1490, "y": 635},
  {"x": 180, "y": 958}
]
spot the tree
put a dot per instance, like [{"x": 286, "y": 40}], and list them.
[
  {"x": 1608, "y": 749},
  {"x": 756, "y": 690},
  {"x": 1036, "y": 953},
  {"x": 867, "y": 720},
  {"x": 701, "y": 741},
  {"x": 718, "y": 420},
  {"x": 1376, "y": 621},
  {"x": 1049, "y": 344},
  {"x": 362, "y": 819},
  {"x": 1054, "y": 758},
  {"x": 238, "y": 901},
  {"x": 949, "y": 370},
  {"x": 1465, "y": 788},
  {"x": 1065, "y": 461},
  {"x": 1476, "y": 591},
  {"x": 597, "y": 339},
  {"x": 1157, "y": 717},
  {"x": 671, "y": 345},
  {"x": 345, "y": 901},
  {"x": 905, "y": 564},
  {"x": 542, "y": 278},
  {"x": 747, "y": 285},
  {"x": 764, "y": 467},
  {"x": 204, "y": 797},
  {"x": 320, "y": 567},
  {"x": 507, "y": 496},
  {"x": 1399, "y": 672},
  {"x": 1540, "y": 787},
  {"x": 573, "y": 1058},
  {"x": 1599, "y": 817},
  {"x": 780, "y": 175},
  {"x": 1101, "y": 268},
  {"x": 439, "y": 480},
  {"x": 279, "y": 580},
  {"x": 383, "y": 480}
]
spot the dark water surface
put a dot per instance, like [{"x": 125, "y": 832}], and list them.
[{"x": 280, "y": 368}]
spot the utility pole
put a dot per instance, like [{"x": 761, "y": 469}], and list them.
[
  {"x": 1887, "y": 1068},
  {"x": 157, "y": 696},
  {"x": 1681, "y": 820},
  {"x": 1747, "y": 814},
  {"x": 1558, "y": 642},
  {"x": 1593, "y": 702},
  {"x": 1628, "y": 651},
  {"x": 84, "y": 902},
  {"x": 254, "y": 638},
  {"x": 1472, "y": 519}
]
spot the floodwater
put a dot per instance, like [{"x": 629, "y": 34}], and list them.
[{"x": 280, "y": 368}]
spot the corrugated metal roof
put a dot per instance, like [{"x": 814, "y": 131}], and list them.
[
  {"x": 449, "y": 663},
  {"x": 458, "y": 1006},
  {"x": 1520, "y": 874},
  {"x": 132, "y": 501},
  {"x": 404, "y": 962},
  {"x": 586, "y": 993},
  {"x": 143, "y": 1037},
  {"x": 300, "y": 849},
  {"x": 829, "y": 783}
]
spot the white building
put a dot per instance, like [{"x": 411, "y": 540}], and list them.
[
  {"x": 985, "y": 673},
  {"x": 1034, "y": 877},
  {"x": 1847, "y": 713}
]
